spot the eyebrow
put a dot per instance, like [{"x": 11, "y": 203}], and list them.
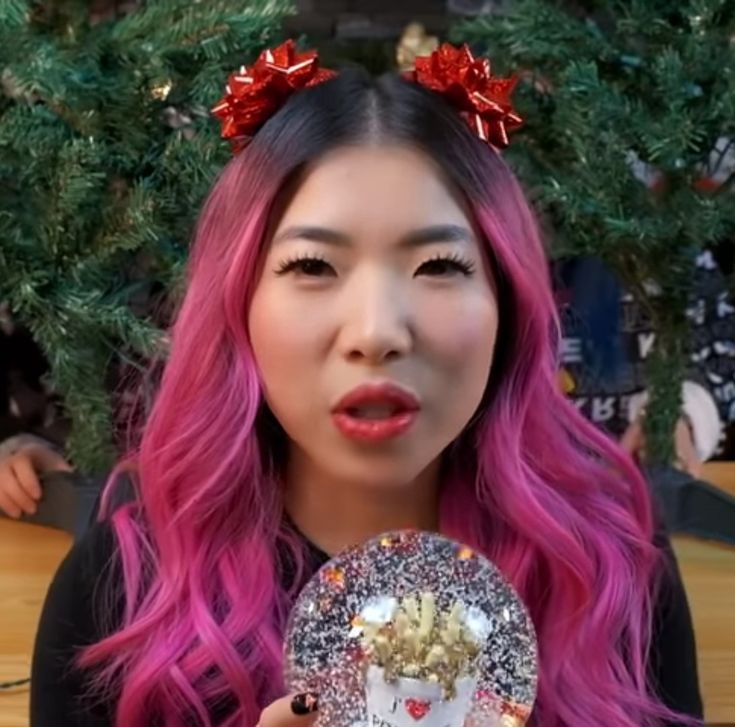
[{"x": 415, "y": 238}]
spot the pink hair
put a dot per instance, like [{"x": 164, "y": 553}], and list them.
[{"x": 553, "y": 502}]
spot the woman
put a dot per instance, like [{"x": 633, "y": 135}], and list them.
[{"x": 365, "y": 242}]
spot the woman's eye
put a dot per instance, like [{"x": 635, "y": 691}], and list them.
[
  {"x": 312, "y": 267},
  {"x": 316, "y": 267},
  {"x": 443, "y": 266}
]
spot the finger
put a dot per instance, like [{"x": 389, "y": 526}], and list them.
[
  {"x": 16, "y": 492},
  {"x": 7, "y": 505},
  {"x": 26, "y": 475},
  {"x": 686, "y": 452},
  {"x": 632, "y": 438},
  {"x": 46, "y": 459},
  {"x": 296, "y": 710}
]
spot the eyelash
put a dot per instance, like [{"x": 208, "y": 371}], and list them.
[{"x": 299, "y": 262}]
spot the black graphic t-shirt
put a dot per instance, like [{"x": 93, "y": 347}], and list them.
[{"x": 607, "y": 338}]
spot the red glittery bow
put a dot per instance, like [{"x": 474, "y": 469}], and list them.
[
  {"x": 256, "y": 92},
  {"x": 467, "y": 83}
]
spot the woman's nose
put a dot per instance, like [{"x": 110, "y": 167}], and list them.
[{"x": 376, "y": 323}]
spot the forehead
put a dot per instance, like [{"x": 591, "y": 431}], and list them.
[{"x": 373, "y": 187}]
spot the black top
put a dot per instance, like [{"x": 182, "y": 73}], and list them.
[
  {"x": 72, "y": 612},
  {"x": 608, "y": 334}
]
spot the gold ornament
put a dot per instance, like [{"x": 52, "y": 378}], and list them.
[
  {"x": 161, "y": 90},
  {"x": 414, "y": 42},
  {"x": 566, "y": 381}
]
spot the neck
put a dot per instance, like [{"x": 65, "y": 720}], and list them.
[{"x": 334, "y": 514}]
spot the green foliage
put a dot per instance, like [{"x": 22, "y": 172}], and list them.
[
  {"x": 107, "y": 149},
  {"x": 645, "y": 81}
]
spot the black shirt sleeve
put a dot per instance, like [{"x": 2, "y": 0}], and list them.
[
  {"x": 673, "y": 648},
  {"x": 70, "y": 619}
]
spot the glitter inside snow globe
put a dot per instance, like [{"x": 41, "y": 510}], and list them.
[{"x": 412, "y": 628}]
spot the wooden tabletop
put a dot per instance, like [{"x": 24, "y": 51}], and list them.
[{"x": 30, "y": 554}]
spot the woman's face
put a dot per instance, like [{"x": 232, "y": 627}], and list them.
[{"x": 361, "y": 285}]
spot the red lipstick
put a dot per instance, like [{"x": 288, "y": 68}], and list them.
[{"x": 375, "y": 412}]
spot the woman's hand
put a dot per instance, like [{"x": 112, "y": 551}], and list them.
[
  {"x": 297, "y": 710},
  {"x": 634, "y": 441},
  {"x": 20, "y": 489}
]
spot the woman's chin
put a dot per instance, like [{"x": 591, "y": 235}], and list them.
[{"x": 386, "y": 472}]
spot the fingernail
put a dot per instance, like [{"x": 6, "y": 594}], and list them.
[{"x": 305, "y": 703}]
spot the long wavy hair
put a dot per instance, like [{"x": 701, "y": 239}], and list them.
[{"x": 530, "y": 483}]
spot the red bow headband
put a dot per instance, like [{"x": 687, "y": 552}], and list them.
[{"x": 256, "y": 92}]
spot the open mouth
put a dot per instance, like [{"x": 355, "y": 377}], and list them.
[
  {"x": 374, "y": 423},
  {"x": 374, "y": 411}
]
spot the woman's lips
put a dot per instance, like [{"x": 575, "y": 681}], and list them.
[
  {"x": 374, "y": 430},
  {"x": 376, "y": 411}
]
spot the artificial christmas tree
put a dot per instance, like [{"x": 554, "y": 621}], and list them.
[
  {"x": 107, "y": 148},
  {"x": 608, "y": 88}
]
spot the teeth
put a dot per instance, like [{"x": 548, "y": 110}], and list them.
[{"x": 377, "y": 411}]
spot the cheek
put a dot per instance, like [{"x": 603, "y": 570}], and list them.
[
  {"x": 285, "y": 341},
  {"x": 463, "y": 333}
]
